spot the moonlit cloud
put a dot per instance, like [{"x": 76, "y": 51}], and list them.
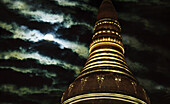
[
  {"x": 37, "y": 15},
  {"x": 136, "y": 18},
  {"x": 43, "y": 16},
  {"x": 127, "y": 0},
  {"x": 135, "y": 43},
  {"x": 82, "y": 6},
  {"x": 150, "y": 85},
  {"x": 79, "y": 48},
  {"x": 32, "y": 70},
  {"x": 25, "y": 90},
  {"x": 6, "y": 26},
  {"x": 68, "y": 22},
  {"x": 42, "y": 59},
  {"x": 22, "y": 32},
  {"x": 136, "y": 67},
  {"x": 89, "y": 8},
  {"x": 66, "y": 2}
]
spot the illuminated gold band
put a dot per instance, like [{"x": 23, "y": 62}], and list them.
[
  {"x": 106, "y": 70},
  {"x": 112, "y": 58},
  {"x": 107, "y": 62},
  {"x": 107, "y": 32},
  {"x": 106, "y": 40},
  {"x": 84, "y": 69},
  {"x": 106, "y": 43},
  {"x": 105, "y": 19},
  {"x": 109, "y": 96},
  {"x": 106, "y": 54},
  {"x": 107, "y": 22},
  {"x": 103, "y": 50},
  {"x": 104, "y": 98}
]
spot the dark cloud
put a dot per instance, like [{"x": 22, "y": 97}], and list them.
[
  {"x": 8, "y": 76},
  {"x": 62, "y": 76},
  {"x": 148, "y": 23},
  {"x": 4, "y": 32},
  {"x": 13, "y": 44},
  {"x": 160, "y": 97},
  {"x": 35, "y": 98},
  {"x": 158, "y": 93},
  {"x": 51, "y": 98},
  {"x": 152, "y": 37},
  {"x": 7, "y": 97},
  {"x": 156, "y": 65},
  {"x": 160, "y": 78},
  {"x": 76, "y": 33},
  {"x": 27, "y": 63}
]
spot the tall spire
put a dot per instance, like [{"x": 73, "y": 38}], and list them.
[
  {"x": 106, "y": 77},
  {"x": 107, "y": 10}
]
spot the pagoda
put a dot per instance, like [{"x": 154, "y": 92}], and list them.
[{"x": 105, "y": 78}]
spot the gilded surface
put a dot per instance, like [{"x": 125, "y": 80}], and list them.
[
  {"x": 117, "y": 79},
  {"x": 134, "y": 86},
  {"x": 70, "y": 88},
  {"x": 100, "y": 79},
  {"x": 83, "y": 82},
  {"x": 113, "y": 96}
]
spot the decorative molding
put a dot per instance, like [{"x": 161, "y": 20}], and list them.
[{"x": 106, "y": 96}]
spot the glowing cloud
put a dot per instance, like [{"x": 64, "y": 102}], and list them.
[
  {"x": 42, "y": 16},
  {"x": 68, "y": 22},
  {"x": 22, "y": 32},
  {"x": 81, "y": 5},
  {"x": 37, "y": 15},
  {"x": 81, "y": 49},
  {"x": 42, "y": 59},
  {"x": 66, "y": 3},
  {"x": 45, "y": 17}
]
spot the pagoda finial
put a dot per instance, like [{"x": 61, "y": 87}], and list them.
[{"x": 107, "y": 10}]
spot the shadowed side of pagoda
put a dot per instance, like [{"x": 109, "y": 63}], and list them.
[{"x": 105, "y": 78}]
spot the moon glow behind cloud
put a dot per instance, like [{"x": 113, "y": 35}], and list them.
[{"x": 49, "y": 37}]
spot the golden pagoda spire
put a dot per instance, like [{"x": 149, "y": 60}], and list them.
[
  {"x": 107, "y": 10},
  {"x": 105, "y": 78}
]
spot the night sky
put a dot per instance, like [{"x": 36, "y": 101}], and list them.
[{"x": 44, "y": 45}]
